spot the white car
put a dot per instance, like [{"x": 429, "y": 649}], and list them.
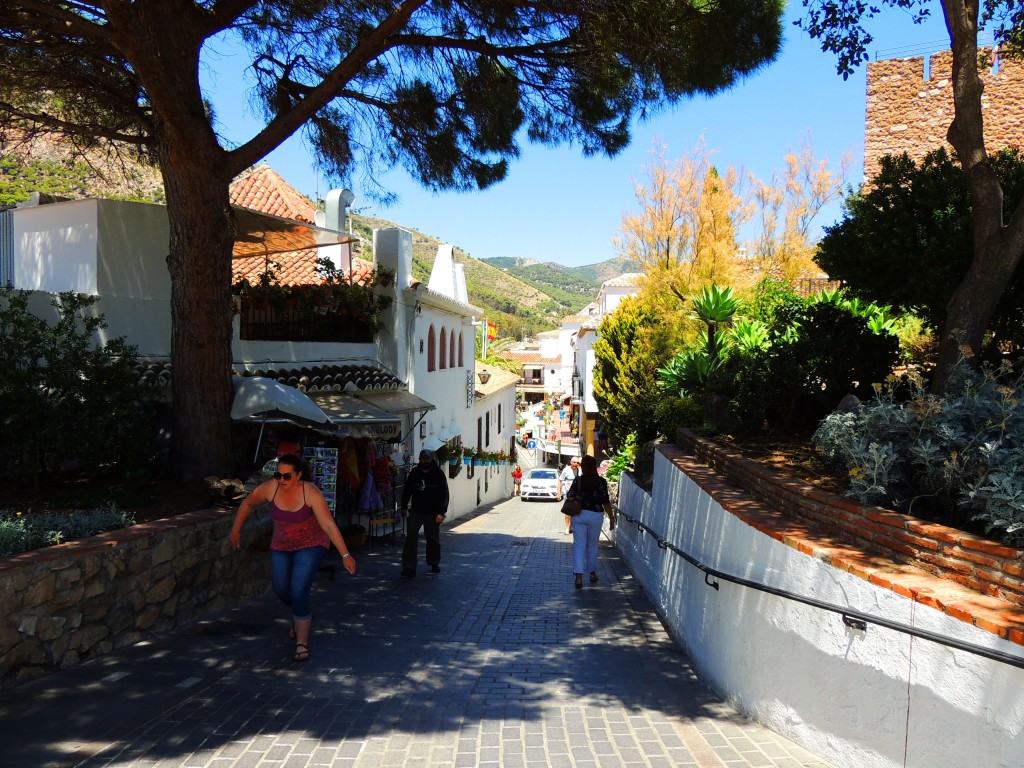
[{"x": 539, "y": 483}]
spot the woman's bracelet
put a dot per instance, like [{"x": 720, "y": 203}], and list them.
[{"x": 347, "y": 554}]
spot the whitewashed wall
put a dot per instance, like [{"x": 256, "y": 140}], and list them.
[{"x": 859, "y": 699}]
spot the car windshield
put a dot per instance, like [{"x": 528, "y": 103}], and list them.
[{"x": 542, "y": 474}]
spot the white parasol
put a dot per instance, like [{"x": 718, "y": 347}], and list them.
[{"x": 265, "y": 400}]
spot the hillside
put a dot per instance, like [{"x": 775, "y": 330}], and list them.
[
  {"x": 519, "y": 302},
  {"x": 564, "y": 284},
  {"x": 522, "y": 297}
]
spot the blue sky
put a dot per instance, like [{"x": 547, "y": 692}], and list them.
[{"x": 555, "y": 205}]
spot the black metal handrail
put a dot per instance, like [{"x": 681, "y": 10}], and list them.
[{"x": 851, "y": 618}]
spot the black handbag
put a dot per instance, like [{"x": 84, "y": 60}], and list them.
[{"x": 572, "y": 506}]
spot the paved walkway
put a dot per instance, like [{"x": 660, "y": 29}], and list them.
[{"x": 497, "y": 661}]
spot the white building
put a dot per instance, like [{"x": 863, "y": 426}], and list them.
[
  {"x": 389, "y": 389},
  {"x": 581, "y": 331}
]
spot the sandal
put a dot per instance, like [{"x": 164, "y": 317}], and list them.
[
  {"x": 593, "y": 577},
  {"x": 303, "y": 654},
  {"x": 579, "y": 581},
  {"x": 291, "y": 629}
]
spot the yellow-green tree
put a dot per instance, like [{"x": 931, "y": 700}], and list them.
[
  {"x": 686, "y": 229},
  {"x": 630, "y": 348},
  {"x": 785, "y": 208},
  {"x": 684, "y": 234}
]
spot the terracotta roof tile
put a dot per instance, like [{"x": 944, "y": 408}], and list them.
[
  {"x": 531, "y": 357},
  {"x": 329, "y": 378},
  {"x": 262, "y": 189},
  {"x": 627, "y": 279},
  {"x": 314, "y": 378}
]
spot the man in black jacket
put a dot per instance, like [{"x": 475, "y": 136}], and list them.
[{"x": 427, "y": 486}]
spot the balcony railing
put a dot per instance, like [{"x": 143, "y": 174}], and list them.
[{"x": 277, "y": 324}]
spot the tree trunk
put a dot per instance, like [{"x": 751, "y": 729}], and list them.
[
  {"x": 997, "y": 249},
  {"x": 199, "y": 261},
  {"x": 162, "y": 41}
]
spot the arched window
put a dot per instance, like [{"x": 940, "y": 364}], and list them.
[
  {"x": 444, "y": 348},
  {"x": 461, "y": 364},
  {"x": 451, "y": 356},
  {"x": 430, "y": 350}
]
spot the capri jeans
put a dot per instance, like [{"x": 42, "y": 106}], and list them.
[
  {"x": 291, "y": 574},
  {"x": 586, "y": 531}
]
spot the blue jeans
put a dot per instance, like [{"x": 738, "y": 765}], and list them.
[
  {"x": 586, "y": 532},
  {"x": 291, "y": 574}
]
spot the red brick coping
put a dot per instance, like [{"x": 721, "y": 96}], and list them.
[{"x": 973, "y": 579}]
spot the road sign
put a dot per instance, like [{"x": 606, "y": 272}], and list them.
[{"x": 531, "y": 444}]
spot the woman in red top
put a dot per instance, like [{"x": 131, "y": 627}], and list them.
[
  {"x": 517, "y": 479},
  {"x": 303, "y": 531}
]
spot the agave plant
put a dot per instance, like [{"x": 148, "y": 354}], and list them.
[
  {"x": 750, "y": 335},
  {"x": 715, "y": 306},
  {"x": 688, "y": 372}
]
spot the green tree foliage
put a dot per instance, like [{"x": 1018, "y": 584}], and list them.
[
  {"x": 907, "y": 240},
  {"x": 627, "y": 354},
  {"x": 62, "y": 396},
  {"x": 444, "y": 89},
  {"x": 818, "y": 352}
]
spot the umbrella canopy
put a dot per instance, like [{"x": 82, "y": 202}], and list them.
[{"x": 262, "y": 399}]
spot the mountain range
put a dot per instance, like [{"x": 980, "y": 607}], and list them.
[{"x": 520, "y": 296}]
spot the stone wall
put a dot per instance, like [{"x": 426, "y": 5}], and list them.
[
  {"x": 61, "y": 605},
  {"x": 907, "y": 113}
]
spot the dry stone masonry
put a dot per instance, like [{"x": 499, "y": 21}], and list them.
[
  {"x": 61, "y": 605},
  {"x": 908, "y": 113}
]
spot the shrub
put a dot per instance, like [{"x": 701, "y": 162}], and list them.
[
  {"x": 956, "y": 459},
  {"x": 621, "y": 460},
  {"x": 21, "y": 532},
  {"x": 62, "y": 395},
  {"x": 673, "y": 412},
  {"x": 819, "y": 353}
]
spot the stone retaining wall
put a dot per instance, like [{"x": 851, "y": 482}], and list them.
[{"x": 64, "y": 604}]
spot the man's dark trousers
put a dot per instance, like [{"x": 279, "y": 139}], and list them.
[{"x": 431, "y": 532}]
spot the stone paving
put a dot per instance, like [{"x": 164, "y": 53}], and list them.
[{"x": 496, "y": 661}]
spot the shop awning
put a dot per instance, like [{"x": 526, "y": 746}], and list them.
[
  {"x": 353, "y": 417},
  {"x": 400, "y": 402}
]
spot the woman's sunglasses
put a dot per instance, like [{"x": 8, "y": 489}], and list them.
[{"x": 284, "y": 475}]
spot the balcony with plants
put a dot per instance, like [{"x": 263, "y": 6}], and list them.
[{"x": 335, "y": 310}]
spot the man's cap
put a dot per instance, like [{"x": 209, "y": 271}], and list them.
[{"x": 425, "y": 454}]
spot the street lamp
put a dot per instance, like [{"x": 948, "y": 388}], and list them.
[{"x": 484, "y": 376}]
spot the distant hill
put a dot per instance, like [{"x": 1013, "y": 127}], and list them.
[
  {"x": 565, "y": 284},
  {"x": 521, "y": 296}
]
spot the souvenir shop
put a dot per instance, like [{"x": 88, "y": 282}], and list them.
[{"x": 354, "y": 450}]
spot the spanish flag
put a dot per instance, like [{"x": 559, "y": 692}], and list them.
[{"x": 492, "y": 331}]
